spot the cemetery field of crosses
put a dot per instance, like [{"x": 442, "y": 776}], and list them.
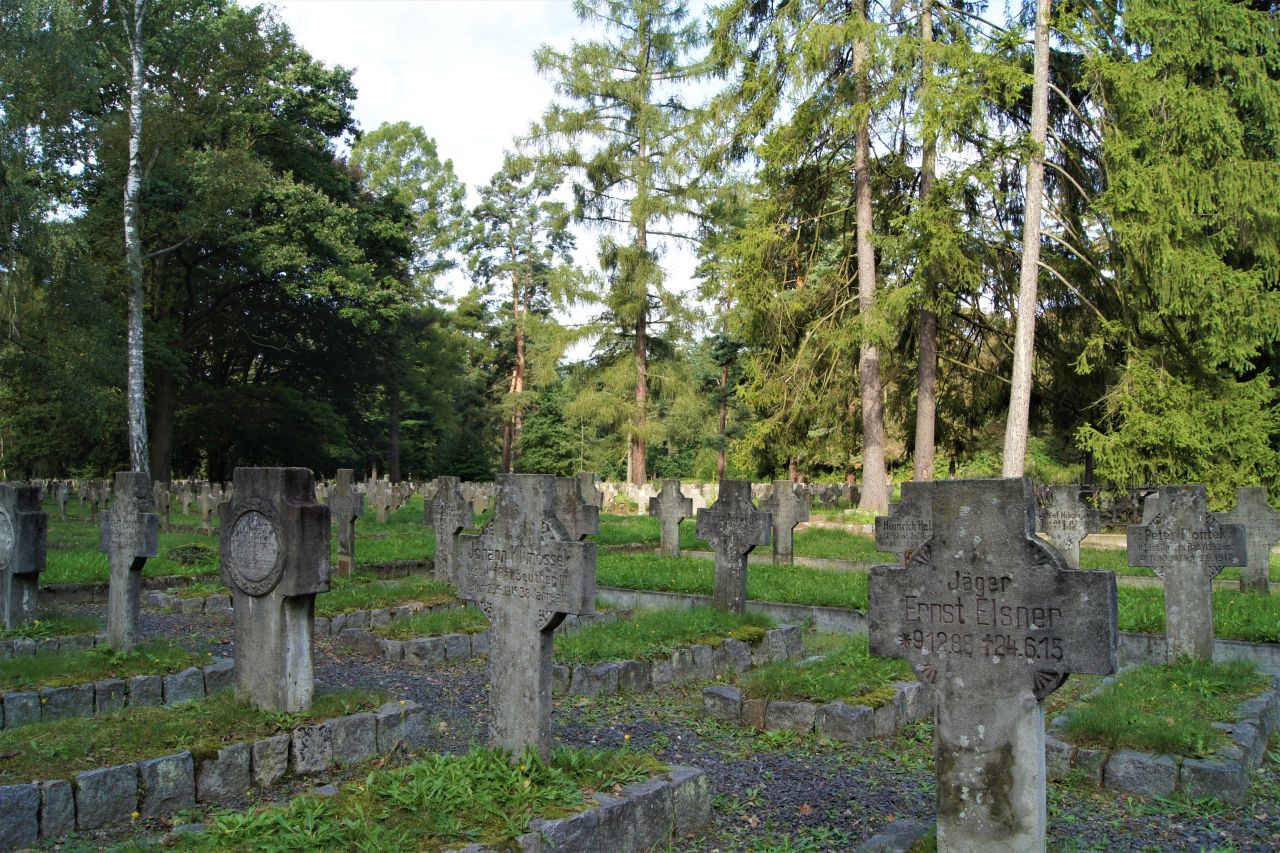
[{"x": 899, "y": 473}]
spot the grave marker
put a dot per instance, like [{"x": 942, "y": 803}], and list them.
[
  {"x": 1067, "y": 521},
  {"x": 1262, "y": 530},
  {"x": 129, "y": 535},
  {"x": 82, "y": 489},
  {"x": 1187, "y": 547},
  {"x": 24, "y": 534},
  {"x": 788, "y": 508},
  {"x": 447, "y": 512},
  {"x": 671, "y": 507},
  {"x": 99, "y": 492},
  {"x": 185, "y": 497},
  {"x": 527, "y": 572},
  {"x": 207, "y": 504},
  {"x": 733, "y": 527},
  {"x": 993, "y": 619},
  {"x": 346, "y": 506},
  {"x": 161, "y": 492},
  {"x": 274, "y": 554},
  {"x": 587, "y": 480},
  {"x": 580, "y": 517},
  {"x": 909, "y": 523},
  {"x": 61, "y": 494},
  {"x": 381, "y": 498}
]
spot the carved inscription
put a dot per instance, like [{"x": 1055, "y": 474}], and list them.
[
  {"x": 1158, "y": 544},
  {"x": 6, "y": 541},
  {"x": 254, "y": 550},
  {"x": 541, "y": 577}
]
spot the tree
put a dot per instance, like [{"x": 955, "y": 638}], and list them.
[
  {"x": 620, "y": 129},
  {"x": 139, "y": 457}
]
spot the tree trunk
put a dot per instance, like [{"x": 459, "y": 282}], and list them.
[
  {"x": 637, "y": 475},
  {"x": 163, "y": 413},
  {"x": 875, "y": 484},
  {"x": 139, "y": 458},
  {"x": 393, "y": 425},
  {"x": 522, "y": 356},
  {"x": 927, "y": 395},
  {"x": 1018, "y": 423},
  {"x": 724, "y": 421}
]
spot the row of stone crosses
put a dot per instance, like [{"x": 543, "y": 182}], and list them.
[{"x": 988, "y": 614}]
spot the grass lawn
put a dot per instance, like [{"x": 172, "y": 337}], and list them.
[
  {"x": 54, "y": 624},
  {"x": 60, "y": 749},
  {"x": 455, "y": 620},
  {"x": 822, "y": 542},
  {"x": 847, "y": 673},
  {"x": 652, "y": 634},
  {"x": 59, "y": 669},
  {"x": 481, "y": 798},
  {"x": 1236, "y": 615},
  {"x": 1167, "y": 709},
  {"x": 350, "y": 594}
]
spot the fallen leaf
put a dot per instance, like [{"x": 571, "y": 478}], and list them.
[
  {"x": 753, "y": 821},
  {"x": 806, "y": 810}
]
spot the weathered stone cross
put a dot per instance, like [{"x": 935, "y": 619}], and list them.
[
  {"x": 671, "y": 507},
  {"x": 733, "y": 527},
  {"x": 909, "y": 523},
  {"x": 1262, "y": 528},
  {"x": 346, "y": 505},
  {"x": 24, "y": 529},
  {"x": 1187, "y": 547},
  {"x": 1067, "y": 521},
  {"x": 62, "y": 493},
  {"x": 207, "y": 505},
  {"x": 992, "y": 619},
  {"x": 587, "y": 481},
  {"x": 129, "y": 535},
  {"x": 381, "y": 498},
  {"x": 274, "y": 544},
  {"x": 447, "y": 511},
  {"x": 163, "y": 500},
  {"x": 788, "y": 508},
  {"x": 526, "y": 571}
]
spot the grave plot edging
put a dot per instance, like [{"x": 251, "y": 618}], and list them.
[
  {"x": 911, "y": 702},
  {"x": 1224, "y": 775},
  {"x": 93, "y": 698},
  {"x": 1137, "y": 648},
  {"x": 110, "y": 795},
  {"x": 26, "y": 646},
  {"x": 824, "y": 618}
]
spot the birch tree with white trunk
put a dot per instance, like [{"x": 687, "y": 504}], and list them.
[{"x": 139, "y": 456}]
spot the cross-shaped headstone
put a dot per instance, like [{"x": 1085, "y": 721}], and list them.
[
  {"x": 733, "y": 527},
  {"x": 993, "y": 619},
  {"x": 447, "y": 512},
  {"x": 207, "y": 505},
  {"x": 592, "y": 495},
  {"x": 24, "y": 535},
  {"x": 129, "y": 535},
  {"x": 1066, "y": 520},
  {"x": 346, "y": 505},
  {"x": 909, "y": 523},
  {"x": 1262, "y": 528},
  {"x": 580, "y": 517},
  {"x": 671, "y": 507},
  {"x": 273, "y": 541},
  {"x": 61, "y": 494},
  {"x": 788, "y": 508},
  {"x": 1187, "y": 547},
  {"x": 99, "y": 492},
  {"x": 82, "y": 490},
  {"x": 381, "y": 498},
  {"x": 161, "y": 492},
  {"x": 526, "y": 571},
  {"x": 185, "y": 497}
]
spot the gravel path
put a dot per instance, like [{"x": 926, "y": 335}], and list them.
[{"x": 775, "y": 792}]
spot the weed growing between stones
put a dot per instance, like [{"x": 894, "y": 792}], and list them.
[
  {"x": 53, "y": 624},
  {"x": 847, "y": 673}
]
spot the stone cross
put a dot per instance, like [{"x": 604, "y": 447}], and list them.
[
  {"x": 671, "y": 507},
  {"x": 185, "y": 497},
  {"x": 24, "y": 534},
  {"x": 82, "y": 490},
  {"x": 62, "y": 493},
  {"x": 580, "y": 517},
  {"x": 274, "y": 554},
  {"x": 1187, "y": 547},
  {"x": 346, "y": 505},
  {"x": 163, "y": 499},
  {"x": 994, "y": 621},
  {"x": 588, "y": 480},
  {"x": 381, "y": 499},
  {"x": 207, "y": 504},
  {"x": 909, "y": 523},
  {"x": 733, "y": 527},
  {"x": 526, "y": 571},
  {"x": 1262, "y": 527},
  {"x": 129, "y": 535},
  {"x": 447, "y": 512},
  {"x": 1066, "y": 521},
  {"x": 99, "y": 491},
  {"x": 788, "y": 508}
]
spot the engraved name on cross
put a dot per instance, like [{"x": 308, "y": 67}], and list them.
[
  {"x": 447, "y": 512},
  {"x": 909, "y": 523},
  {"x": 1067, "y": 521}
]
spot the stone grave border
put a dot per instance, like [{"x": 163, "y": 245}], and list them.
[
  {"x": 26, "y": 646},
  {"x": 160, "y": 786},
  {"x": 108, "y": 695},
  {"x": 911, "y": 702},
  {"x": 1224, "y": 775}
]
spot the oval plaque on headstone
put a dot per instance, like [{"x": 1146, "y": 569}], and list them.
[
  {"x": 254, "y": 552},
  {"x": 6, "y": 540}
]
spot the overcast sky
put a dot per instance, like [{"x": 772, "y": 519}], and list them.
[{"x": 461, "y": 69}]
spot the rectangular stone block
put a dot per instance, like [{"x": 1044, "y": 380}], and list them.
[
  {"x": 737, "y": 655},
  {"x": 19, "y": 816},
  {"x": 21, "y": 708},
  {"x": 358, "y": 619},
  {"x": 168, "y": 784},
  {"x": 599, "y": 679},
  {"x": 321, "y": 626},
  {"x": 480, "y": 645},
  {"x": 57, "y": 808},
  {"x": 379, "y": 617},
  {"x": 392, "y": 649},
  {"x": 616, "y": 821},
  {"x": 1141, "y": 773},
  {"x": 722, "y": 703},
  {"x": 888, "y": 717},
  {"x": 217, "y": 603},
  {"x": 355, "y": 738},
  {"x": 312, "y": 750},
  {"x": 661, "y": 675},
  {"x": 400, "y": 726},
  {"x": 109, "y": 696},
  {"x": 424, "y": 651},
  {"x": 681, "y": 666},
  {"x": 219, "y": 675},
  {"x": 1089, "y": 763},
  {"x": 560, "y": 679},
  {"x": 791, "y": 716},
  {"x": 269, "y": 760},
  {"x": 785, "y": 643},
  {"x": 702, "y": 665},
  {"x": 225, "y": 776},
  {"x": 1225, "y": 779},
  {"x": 653, "y": 812},
  {"x": 633, "y": 676},
  {"x": 1057, "y": 758},
  {"x": 849, "y": 723},
  {"x": 184, "y": 686},
  {"x": 754, "y": 712},
  {"x": 106, "y": 796},
  {"x": 192, "y": 606},
  {"x": 690, "y": 800},
  {"x": 146, "y": 691},
  {"x": 457, "y": 647},
  {"x": 61, "y": 703}
]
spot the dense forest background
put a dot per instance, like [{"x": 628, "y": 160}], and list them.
[{"x": 292, "y": 260}]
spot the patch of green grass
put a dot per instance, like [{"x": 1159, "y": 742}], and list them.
[
  {"x": 654, "y": 633},
  {"x": 642, "y": 530},
  {"x": 60, "y": 669},
  {"x": 346, "y": 598},
  {"x": 792, "y": 584},
  {"x": 455, "y": 620},
  {"x": 848, "y": 673},
  {"x": 199, "y": 590},
  {"x": 1236, "y": 615},
  {"x": 1167, "y": 709},
  {"x": 53, "y": 625},
  {"x": 60, "y": 749},
  {"x": 74, "y": 557},
  {"x": 440, "y": 801},
  {"x": 1117, "y": 560},
  {"x": 830, "y": 544}
]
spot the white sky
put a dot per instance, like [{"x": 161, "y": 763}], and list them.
[{"x": 461, "y": 69}]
